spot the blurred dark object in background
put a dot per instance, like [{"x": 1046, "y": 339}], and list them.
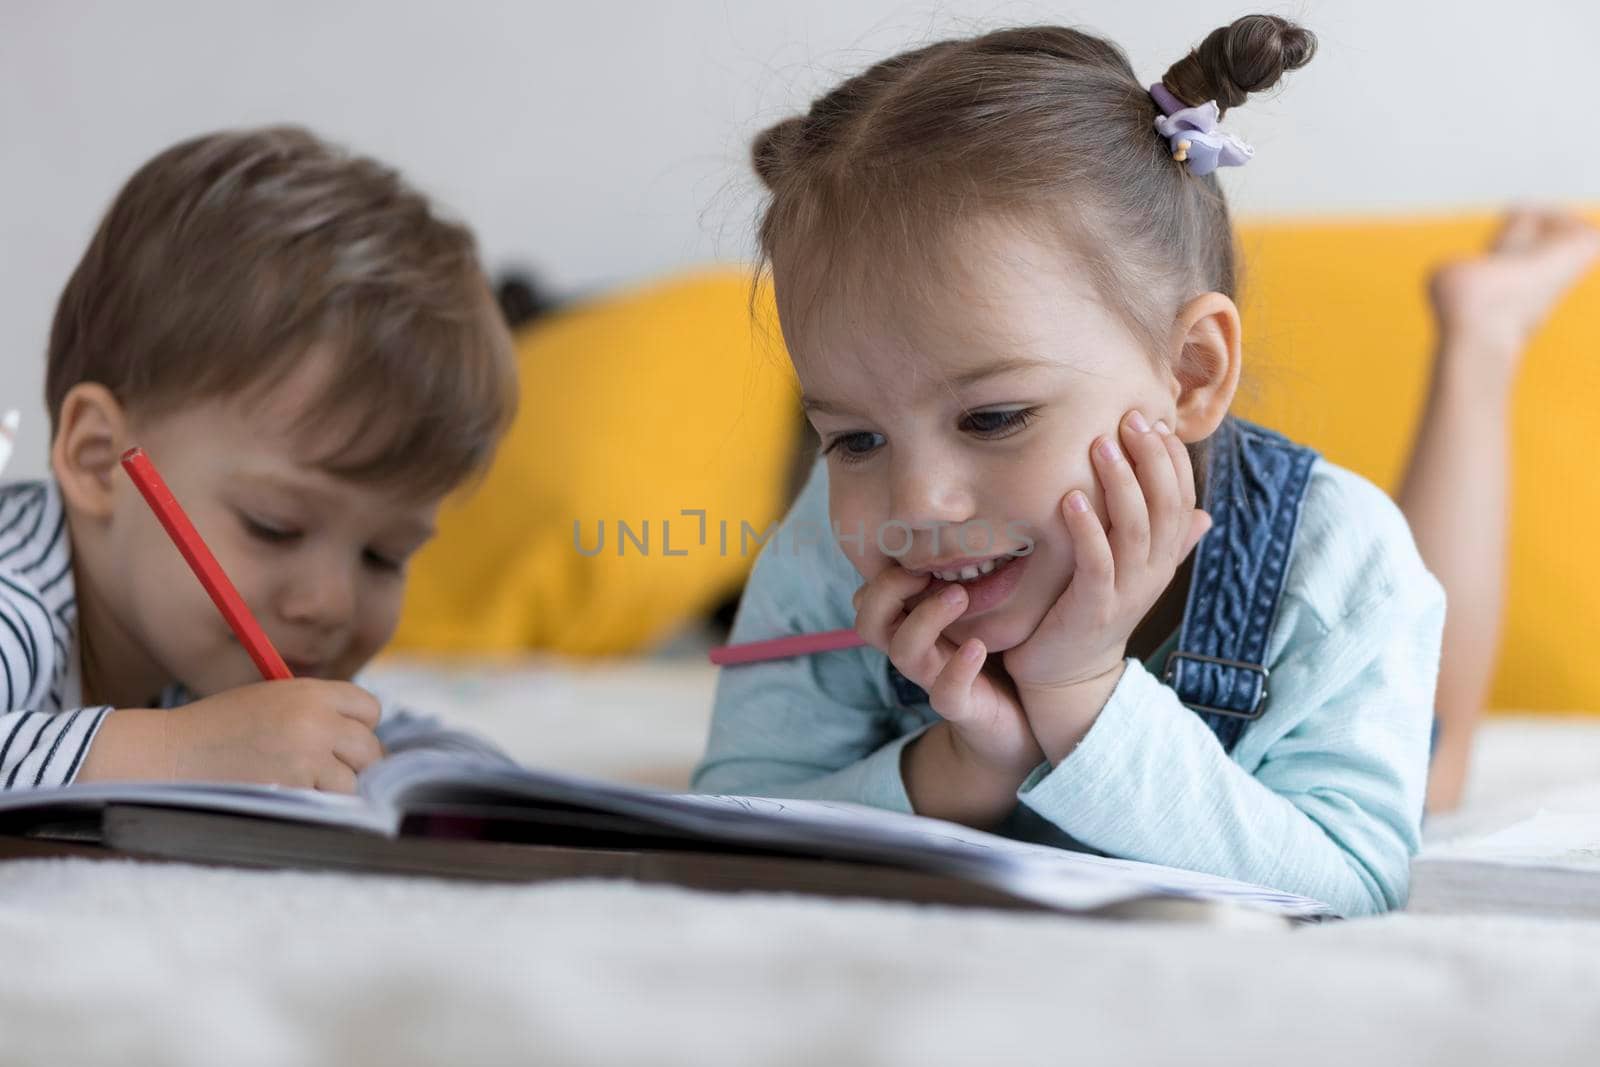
[{"x": 522, "y": 298}]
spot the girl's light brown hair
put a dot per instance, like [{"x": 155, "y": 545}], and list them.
[
  {"x": 1042, "y": 124},
  {"x": 225, "y": 261}
]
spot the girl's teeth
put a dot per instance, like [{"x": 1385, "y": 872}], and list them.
[{"x": 967, "y": 574}]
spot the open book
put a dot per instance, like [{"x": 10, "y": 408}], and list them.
[{"x": 469, "y": 814}]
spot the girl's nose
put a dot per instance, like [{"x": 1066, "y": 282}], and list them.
[{"x": 927, "y": 496}]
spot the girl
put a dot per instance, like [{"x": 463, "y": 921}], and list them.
[{"x": 1005, "y": 275}]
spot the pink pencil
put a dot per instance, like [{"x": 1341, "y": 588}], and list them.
[{"x": 784, "y": 647}]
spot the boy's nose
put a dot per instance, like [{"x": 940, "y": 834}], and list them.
[{"x": 320, "y": 597}]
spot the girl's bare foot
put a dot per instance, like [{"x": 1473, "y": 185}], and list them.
[{"x": 1491, "y": 304}]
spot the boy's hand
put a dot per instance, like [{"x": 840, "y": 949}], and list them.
[
  {"x": 1494, "y": 302},
  {"x": 1117, "y": 578},
  {"x": 989, "y": 728},
  {"x": 307, "y": 733}
]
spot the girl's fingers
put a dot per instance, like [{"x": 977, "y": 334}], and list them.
[
  {"x": 915, "y": 649},
  {"x": 1184, "y": 535},
  {"x": 1158, "y": 479},
  {"x": 1181, "y": 465},
  {"x": 1125, "y": 507},
  {"x": 1094, "y": 573},
  {"x": 951, "y": 691},
  {"x": 1199, "y": 523},
  {"x": 881, "y": 602}
]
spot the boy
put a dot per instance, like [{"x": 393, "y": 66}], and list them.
[{"x": 313, "y": 360}]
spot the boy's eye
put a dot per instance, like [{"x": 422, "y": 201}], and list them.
[
  {"x": 853, "y": 447},
  {"x": 1000, "y": 423},
  {"x": 264, "y": 531},
  {"x": 382, "y": 562}
]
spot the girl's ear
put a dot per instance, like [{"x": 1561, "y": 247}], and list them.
[
  {"x": 1206, "y": 358},
  {"x": 91, "y": 434}
]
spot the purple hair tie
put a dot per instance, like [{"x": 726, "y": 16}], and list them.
[{"x": 1193, "y": 135}]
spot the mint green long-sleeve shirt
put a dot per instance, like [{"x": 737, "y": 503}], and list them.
[{"x": 1321, "y": 796}]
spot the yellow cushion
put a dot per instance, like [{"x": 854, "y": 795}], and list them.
[
  {"x": 633, "y": 409},
  {"x": 1338, "y": 337}
]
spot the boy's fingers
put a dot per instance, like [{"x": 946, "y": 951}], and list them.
[
  {"x": 358, "y": 704},
  {"x": 336, "y": 778},
  {"x": 357, "y": 747}
]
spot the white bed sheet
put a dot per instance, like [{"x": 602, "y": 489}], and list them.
[{"x": 131, "y": 963}]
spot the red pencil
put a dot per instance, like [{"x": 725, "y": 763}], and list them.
[
  {"x": 783, "y": 647},
  {"x": 205, "y": 565}
]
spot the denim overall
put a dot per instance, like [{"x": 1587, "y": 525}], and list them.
[{"x": 1255, "y": 481}]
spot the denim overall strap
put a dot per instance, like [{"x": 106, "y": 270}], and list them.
[{"x": 1255, "y": 482}]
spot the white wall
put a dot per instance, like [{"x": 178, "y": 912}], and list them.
[{"x": 602, "y": 142}]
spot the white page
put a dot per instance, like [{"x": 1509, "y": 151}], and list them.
[
  {"x": 1041, "y": 873},
  {"x": 1036, "y": 872},
  {"x": 238, "y": 798}
]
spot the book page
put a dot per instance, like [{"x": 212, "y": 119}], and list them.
[
  {"x": 1048, "y": 875},
  {"x": 1038, "y": 872},
  {"x": 239, "y": 798}
]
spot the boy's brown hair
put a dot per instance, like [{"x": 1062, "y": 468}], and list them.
[{"x": 228, "y": 258}]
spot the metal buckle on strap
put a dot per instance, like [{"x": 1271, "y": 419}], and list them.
[{"x": 1169, "y": 672}]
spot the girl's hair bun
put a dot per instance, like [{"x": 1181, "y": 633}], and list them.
[
  {"x": 1246, "y": 56},
  {"x": 775, "y": 149}
]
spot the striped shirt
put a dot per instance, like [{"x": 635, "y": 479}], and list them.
[{"x": 45, "y": 731}]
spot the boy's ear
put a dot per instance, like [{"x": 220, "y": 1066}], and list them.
[
  {"x": 1206, "y": 359},
  {"x": 91, "y": 435}
]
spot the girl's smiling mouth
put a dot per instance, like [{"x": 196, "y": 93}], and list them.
[{"x": 988, "y": 582}]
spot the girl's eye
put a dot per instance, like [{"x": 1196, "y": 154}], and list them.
[
  {"x": 272, "y": 535},
  {"x": 996, "y": 424},
  {"x": 853, "y": 447},
  {"x": 379, "y": 561}
]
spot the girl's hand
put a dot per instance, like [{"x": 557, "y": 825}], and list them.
[
  {"x": 990, "y": 730},
  {"x": 1491, "y": 304},
  {"x": 1116, "y": 579}
]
